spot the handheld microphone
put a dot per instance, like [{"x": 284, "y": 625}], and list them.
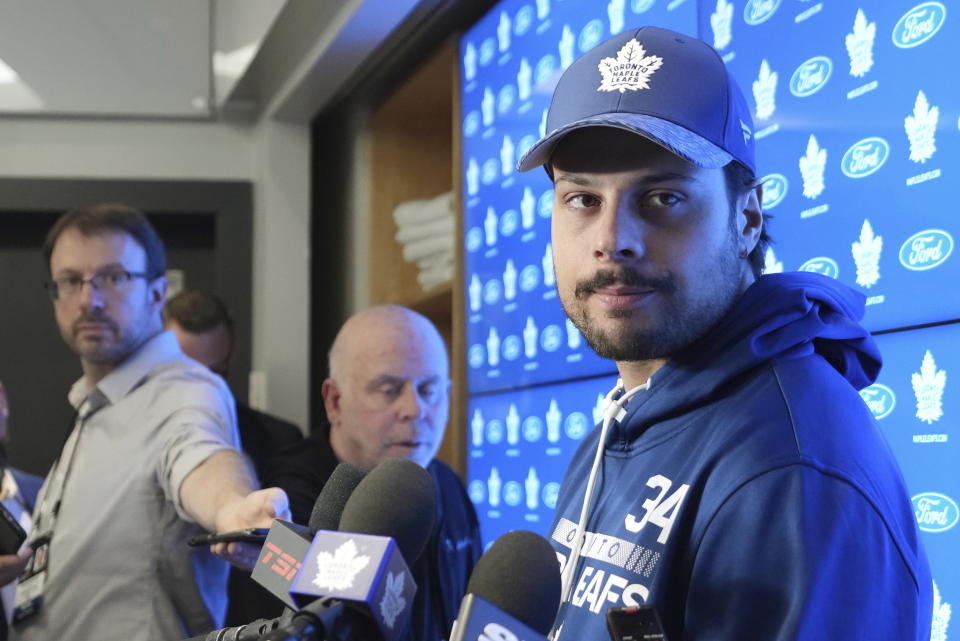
[
  {"x": 362, "y": 569},
  {"x": 253, "y": 631},
  {"x": 513, "y": 592},
  {"x": 286, "y": 546},
  {"x": 333, "y": 498}
]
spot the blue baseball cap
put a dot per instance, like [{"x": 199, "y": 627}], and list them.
[{"x": 670, "y": 88}]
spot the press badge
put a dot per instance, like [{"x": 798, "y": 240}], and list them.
[{"x": 29, "y": 595}]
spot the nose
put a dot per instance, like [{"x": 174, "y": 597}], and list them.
[
  {"x": 619, "y": 233},
  {"x": 410, "y": 406},
  {"x": 90, "y": 297}
]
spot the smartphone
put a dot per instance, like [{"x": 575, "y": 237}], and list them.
[
  {"x": 634, "y": 623},
  {"x": 248, "y": 535},
  {"x": 12, "y": 535}
]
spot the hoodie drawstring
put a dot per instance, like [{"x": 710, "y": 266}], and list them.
[{"x": 613, "y": 411}]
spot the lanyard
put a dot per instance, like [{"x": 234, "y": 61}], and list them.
[{"x": 48, "y": 503}]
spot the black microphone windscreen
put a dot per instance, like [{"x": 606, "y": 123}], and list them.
[
  {"x": 396, "y": 499},
  {"x": 520, "y": 575},
  {"x": 333, "y": 497}
]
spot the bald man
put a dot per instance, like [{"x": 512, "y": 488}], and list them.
[{"x": 387, "y": 397}]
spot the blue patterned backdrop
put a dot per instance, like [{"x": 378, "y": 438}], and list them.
[{"x": 857, "y": 120}]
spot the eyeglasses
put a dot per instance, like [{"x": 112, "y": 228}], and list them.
[{"x": 106, "y": 282}]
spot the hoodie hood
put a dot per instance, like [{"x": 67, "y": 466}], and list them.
[{"x": 779, "y": 317}]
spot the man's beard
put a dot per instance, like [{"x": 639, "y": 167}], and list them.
[{"x": 680, "y": 321}]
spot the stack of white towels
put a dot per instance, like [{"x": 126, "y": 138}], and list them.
[{"x": 426, "y": 229}]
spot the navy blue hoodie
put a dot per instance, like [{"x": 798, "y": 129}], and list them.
[{"x": 748, "y": 494}]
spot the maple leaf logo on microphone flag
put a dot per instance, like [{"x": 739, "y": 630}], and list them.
[
  {"x": 337, "y": 571},
  {"x": 393, "y": 602}
]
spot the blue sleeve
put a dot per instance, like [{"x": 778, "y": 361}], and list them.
[{"x": 799, "y": 555}]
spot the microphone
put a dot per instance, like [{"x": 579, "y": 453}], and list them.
[
  {"x": 285, "y": 548},
  {"x": 333, "y": 497},
  {"x": 287, "y": 543},
  {"x": 513, "y": 592},
  {"x": 356, "y": 582}
]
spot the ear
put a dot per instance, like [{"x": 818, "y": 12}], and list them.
[
  {"x": 750, "y": 219},
  {"x": 157, "y": 291},
  {"x": 331, "y": 400}
]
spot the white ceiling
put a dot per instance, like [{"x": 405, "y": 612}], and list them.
[
  {"x": 125, "y": 58},
  {"x": 188, "y": 59}
]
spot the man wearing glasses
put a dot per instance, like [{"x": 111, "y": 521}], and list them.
[{"x": 150, "y": 461}]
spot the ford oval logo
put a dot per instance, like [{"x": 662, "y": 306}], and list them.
[
  {"x": 919, "y": 24},
  {"x": 477, "y": 491},
  {"x": 641, "y": 6},
  {"x": 521, "y": 24},
  {"x": 551, "y": 338},
  {"x": 488, "y": 49},
  {"x": 865, "y": 157},
  {"x": 926, "y": 249},
  {"x": 821, "y": 265},
  {"x": 880, "y": 400},
  {"x": 576, "y": 425},
  {"x": 757, "y": 11},
  {"x": 935, "y": 512},
  {"x": 774, "y": 190},
  {"x": 591, "y": 35},
  {"x": 811, "y": 76},
  {"x": 476, "y": 356}
]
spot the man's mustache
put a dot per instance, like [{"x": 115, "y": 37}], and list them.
[
  {"x": 87, "y": 318},
  {"x": 625, "y": 277}
]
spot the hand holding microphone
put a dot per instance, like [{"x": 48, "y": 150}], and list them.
[
  {"x": 258, "y": 508},
  {"x": 284, "y": 548}
]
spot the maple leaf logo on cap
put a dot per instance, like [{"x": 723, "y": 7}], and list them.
[{"x": 631, "y": 69}]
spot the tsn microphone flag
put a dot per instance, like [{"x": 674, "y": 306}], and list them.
[
  {"x": 280, "y": 559},
  {"x": 365, "y": 570}
]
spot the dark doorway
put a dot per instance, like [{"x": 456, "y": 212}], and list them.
[{"x": 207, "y": 239}]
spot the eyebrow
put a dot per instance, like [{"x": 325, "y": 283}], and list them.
[
  {"x": 583, "y": 180},
  {"x": 389, "y": 378},
  {"x": 69, "y": 271}
]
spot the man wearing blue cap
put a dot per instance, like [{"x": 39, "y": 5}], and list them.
[{"x": 737, "y": 485}]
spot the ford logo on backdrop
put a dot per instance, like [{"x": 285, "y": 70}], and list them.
[
  {"x": 926, "y": 249},
  {"x": 774, "y": 190},
  {"x": 591, "y": 35},
  {"x": 935, "y": 512},
  {"x": 865, "y": 157},
  {"x": 919, "y": 24},
  {"x": 521, "y": 24},
  {"x": 757, "y": 11},
  {"x": 811, "y": 76},
  {"x": 488, "y": 49},
  {"x": 821, "y": 265},
  {"x": 471, "y": 123},
  {"x": 880, "y": 400}
]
